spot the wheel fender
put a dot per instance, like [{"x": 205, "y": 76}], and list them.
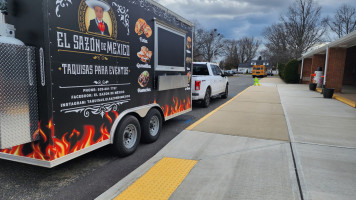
[
  {"x": 207, "y": 89},
  {"x": 140, "y": 111}
]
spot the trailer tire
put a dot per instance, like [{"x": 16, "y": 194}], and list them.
[
  {"x": 151, "y": 126},
  {"x": 127, "y": 136}
]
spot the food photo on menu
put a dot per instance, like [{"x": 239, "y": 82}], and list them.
[
  {"x": 189, "y": 42},
  {"x": 141, "y": 27},
  {"x": 144, "y": 78},
  {"x": 145, "y": 54}
]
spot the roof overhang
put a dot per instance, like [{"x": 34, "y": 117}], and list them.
[{"x": 347, "y": 41}]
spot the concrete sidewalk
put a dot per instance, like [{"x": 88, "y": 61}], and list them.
[
  {"x": 324, "y": 140},
  {"x": 243, "y": 150}
]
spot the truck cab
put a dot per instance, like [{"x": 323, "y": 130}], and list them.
[{"x": 208, "y": 81}]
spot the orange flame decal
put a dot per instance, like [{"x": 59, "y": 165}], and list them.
[
  {"x": 87, "y": 139},
  {"x": 104, "y": 134},
  {"x": 116, "y": 114},
  {"x": 177, "y": 106},
  {"x": 16, "y": 150},
  {"x": 37, "y": 153},
  {"x": 108, "y": 117},
  {"x": 74, "y": 132},
  {"x": 60, "y": 147},
  {"x": 39, "y": 131},
  {"x": 5, "y": 150}
]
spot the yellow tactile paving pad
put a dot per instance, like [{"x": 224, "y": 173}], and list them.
[{"x": 160, "y": 181}]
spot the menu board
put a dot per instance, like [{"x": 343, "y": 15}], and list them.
[{"x": 171, "y": 48}]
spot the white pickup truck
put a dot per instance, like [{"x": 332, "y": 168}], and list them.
[{"x": 208, "y": 81}]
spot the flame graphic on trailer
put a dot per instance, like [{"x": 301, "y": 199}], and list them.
[
  {"x": 176, "y": 107},
  {"x": 57, "y": 148}
]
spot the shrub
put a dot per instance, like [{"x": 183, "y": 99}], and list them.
[
  {"x": 281, "y": 70},
  {"x": 290, "y": 73}
]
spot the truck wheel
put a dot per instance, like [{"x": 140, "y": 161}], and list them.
[
  {"x": 206, "y": 101},
  {"x": 127, "y": 136},
  {"x": 224, "y": 96},
  {"x": 151, "y": 126},
  {"x": 253, "y": 76}
]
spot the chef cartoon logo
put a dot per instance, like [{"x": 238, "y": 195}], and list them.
[{"x": 97, "y": 17}]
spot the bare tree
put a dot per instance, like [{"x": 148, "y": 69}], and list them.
[
  {"x": 231, "y": 59},
  {"x": 247, "y": 48},
  {"x": 207, "y": 44},
  {"x": 299, "y": 29},
  {"x": 303, "y": 26},
  {"x": 344, "y": 21},
  {"x": 198, "y": 44},
  {"x": 277, "y": 48}
]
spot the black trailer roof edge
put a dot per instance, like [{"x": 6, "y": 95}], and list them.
[{"x": 180, "y": 18}]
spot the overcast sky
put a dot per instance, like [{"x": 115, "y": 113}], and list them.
[{"x": 238, "y": 18}]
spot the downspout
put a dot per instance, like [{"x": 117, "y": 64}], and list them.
[
  {"x": 301, "y": 70},
  {"x": 326, "y": 65}
]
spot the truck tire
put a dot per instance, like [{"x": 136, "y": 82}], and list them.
[
  {"x": 206, "y": 101},
  {"x": 151, "y": 126},
  {"x": 253, "y": 76},
  {"x": 224, "y": 96},
  {"x": 127, "y": 136}
]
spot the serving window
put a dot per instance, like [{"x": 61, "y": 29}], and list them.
[{"x": 170, "y": 47}]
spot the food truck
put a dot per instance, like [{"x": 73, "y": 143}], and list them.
[{"x": 78, "y": 75}]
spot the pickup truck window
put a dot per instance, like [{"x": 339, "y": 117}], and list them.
[
  {"x": 200, "y": 69},
  {"x": 216, "y": 70}
]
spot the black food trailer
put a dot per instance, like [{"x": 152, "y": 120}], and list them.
[{"x": 88, "y": 73}]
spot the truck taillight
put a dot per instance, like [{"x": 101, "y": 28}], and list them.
[{"x": 197, "y": 85}]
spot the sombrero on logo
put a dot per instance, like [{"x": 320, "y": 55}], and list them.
[{"x": 101, "y": 3}]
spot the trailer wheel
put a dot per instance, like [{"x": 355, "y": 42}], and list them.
[
  {"x": 206, "y": 101},
  {"x": 224, "y": 96},
  {"x": 127, "y": 136},
  {"x": 151, "y": 126}
]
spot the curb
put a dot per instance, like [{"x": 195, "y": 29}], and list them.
[
  {"x": 345, "y": 100},
  {"x": 342, "y": 99}
]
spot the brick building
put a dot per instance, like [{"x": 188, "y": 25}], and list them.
[{"x": 338, "y": 61}]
